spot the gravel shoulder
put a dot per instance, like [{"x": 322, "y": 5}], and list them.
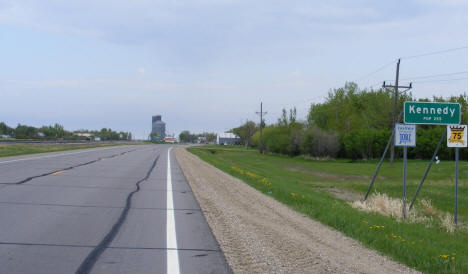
[{"x": 260, "y": 235}]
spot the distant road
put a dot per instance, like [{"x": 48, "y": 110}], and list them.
[
  {"x": 65, "y": 142},
  {"x": 122, "y": 209}
]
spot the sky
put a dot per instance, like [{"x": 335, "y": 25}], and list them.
[{"x": 206, "y": 65}]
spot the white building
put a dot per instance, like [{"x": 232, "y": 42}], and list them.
[{"x": 227, "y": 138}]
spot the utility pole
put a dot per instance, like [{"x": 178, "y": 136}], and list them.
[
  {"x": 261, "y": 113},
  {"x": 395, "y": 106}
]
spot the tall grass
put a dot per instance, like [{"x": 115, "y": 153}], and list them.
[
  {"x": 424, "y": 241},
  {"x": 20, "y": 149}
]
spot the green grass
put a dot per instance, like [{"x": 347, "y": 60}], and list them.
[
  {"x": 20, "y": 149},
  {"x": 416, "y": 245}
]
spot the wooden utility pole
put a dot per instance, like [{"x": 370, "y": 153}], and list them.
[
  {"x": 261, "y": 113},
  {"x": 395, "y": 107}
]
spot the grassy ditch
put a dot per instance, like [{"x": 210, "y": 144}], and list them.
[
  {"x": 325, "y": 191},
  {"x": 22, "y": 149}
]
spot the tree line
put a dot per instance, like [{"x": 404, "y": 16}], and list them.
[
  {"x": 351, "y": 123},
  {"x": 57, "y": 132},
  {"x": 187, "y": 137}
]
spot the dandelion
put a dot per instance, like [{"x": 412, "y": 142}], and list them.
[
  {"x": 265, "y": 182},
  {"x": 238, "y": 170},
  {"x": 252, "y": 175}
]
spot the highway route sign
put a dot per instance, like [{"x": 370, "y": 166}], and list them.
[
  {"x": 405, "y": 135},
  {"x": 456, "y": 136}
]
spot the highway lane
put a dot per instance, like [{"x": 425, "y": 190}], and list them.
[{"x": 103, "y": 211}]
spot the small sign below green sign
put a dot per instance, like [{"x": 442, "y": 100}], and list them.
[{"x": 432, "y": 113}]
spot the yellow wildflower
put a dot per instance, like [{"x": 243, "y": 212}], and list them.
[{"x": 252, "y": 175}]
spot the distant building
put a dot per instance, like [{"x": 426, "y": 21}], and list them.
[
  {"x": 170, "y": 140},
  {"x": 227, "y": 138},
  {"x": 85, "y": 136},
  {"x": 81, "y": 134},
  {"x": 201, "y": 140},
  {"x": 158, "y": 127}
]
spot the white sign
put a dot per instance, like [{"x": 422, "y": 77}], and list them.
[
  {"x": 456, "y": 136},
  {"x": 405, "y": 135}
]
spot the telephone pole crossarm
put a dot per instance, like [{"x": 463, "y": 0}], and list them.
[{"x": 392, "y": 86}]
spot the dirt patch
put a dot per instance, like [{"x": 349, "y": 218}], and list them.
[
  {"x": 330, "y": 176},
  {"x": 342, "y": 194},
  {"x": 260, "y": 235}
]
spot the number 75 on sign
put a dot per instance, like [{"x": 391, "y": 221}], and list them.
[{"x": 456, "y": 136}]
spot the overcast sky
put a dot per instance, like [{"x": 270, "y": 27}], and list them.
[{"x": 205, "y": 65}]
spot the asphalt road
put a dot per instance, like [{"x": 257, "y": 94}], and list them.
[{"x": 109, "y": 210}]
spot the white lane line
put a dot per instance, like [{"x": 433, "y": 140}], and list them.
[
  {"x": 55, "y": 155},
  {"x": 171, "y": 239}
]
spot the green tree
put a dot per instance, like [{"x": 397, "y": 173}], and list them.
[
  {"x": 186, "y": 137},
  {"x": 245, "y": 132},
  {"x": 349, "y": 108},
  {"x": 25, "y": 132},
  {"x": 6, "y": 130}
]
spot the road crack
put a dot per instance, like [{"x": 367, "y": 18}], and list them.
[
  {"x": 89, "y": 262},
  {"x": 67, "y": 168}
]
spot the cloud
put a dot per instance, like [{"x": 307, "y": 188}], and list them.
[{"x": 197, "y": 54}]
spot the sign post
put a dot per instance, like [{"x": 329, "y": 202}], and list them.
[
  {"x": 456, "y": 137},
  {"x": 405, "y": 136}
]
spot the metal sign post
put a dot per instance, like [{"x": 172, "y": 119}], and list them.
[
  {"x": 405, "y": 156},
  {"x": 405, "y": 136},
  {"x": 456, "y": 137},
  {"x": 455, "y": 214},
  {"x": 434, "y": 157}
]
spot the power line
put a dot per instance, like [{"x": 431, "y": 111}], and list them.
[
  {"x": 435, "y": 75},
  {"x": 434, "y": 52},
  {"x": 410, "y": 57},
  {"x": 441, "y": 80},
  {"x": 376, "y": 70}
]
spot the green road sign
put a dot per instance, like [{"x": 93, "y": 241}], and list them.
[{"x": 432, "y": 113}]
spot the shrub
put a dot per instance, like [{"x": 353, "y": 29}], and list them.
[
  {"x": 365, "y": 143},
  {"x": 276, "y": 139},
  {"x": 319, "y": 143}
]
